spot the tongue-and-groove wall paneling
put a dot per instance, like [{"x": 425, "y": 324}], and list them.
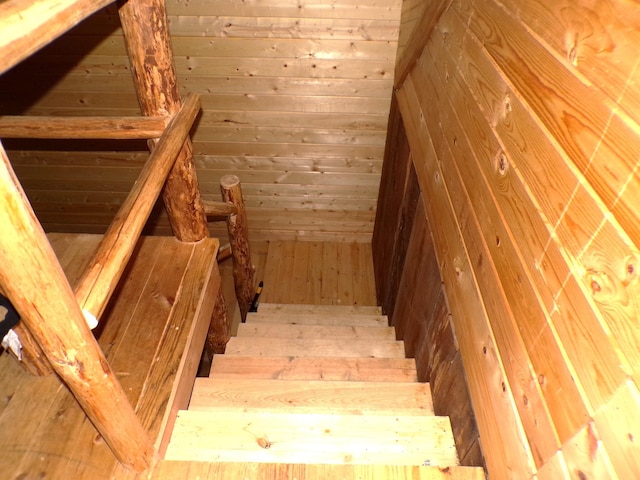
[{"x": 295, "y": 99}]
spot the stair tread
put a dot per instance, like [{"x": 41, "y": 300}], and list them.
[
  {"x": 313, "y": 396},
  {"x": 312, "y": 438},
  {"x": 364, "y": 320},
  {"x": 170, "y": 470},
  {"x": 314, "y": 368},
  {"x": 336, "y": 347},
  {"x": 287, "y": 330},
  {"x": 319, "y": 309}
]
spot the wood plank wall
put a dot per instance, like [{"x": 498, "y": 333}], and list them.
[
  {"x": 409, "y": 289},
  {"x": 523, "y": 127},
  {"x": 295, "y": 99}
]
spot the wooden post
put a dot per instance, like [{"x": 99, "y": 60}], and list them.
[
  {"x": 144, "y": 23},
  {"x": 220, "y": 327},
  {"x": 34, "y": 281},
  {"x": 239, "y": 240}
]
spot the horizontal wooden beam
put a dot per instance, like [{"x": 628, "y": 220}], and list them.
[
  {"x": 110, "y": 259},
  {"x": 431, "y": 14},
  {"x": 34, "y": 281},
  {"x": 219, "y": 209},
  {"x": 82, "y": 127},
  {"x": 29, "y": 25}
]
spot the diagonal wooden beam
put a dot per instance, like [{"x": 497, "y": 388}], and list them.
[
  {"x": 144, "y": 23},
  {"x": 28, "y": 25},
  {"x": 110, "y": 259},
  {"x": 433, "y": 10},
  {"x": 14, "y": 126}
]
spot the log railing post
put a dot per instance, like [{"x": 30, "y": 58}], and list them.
[
  {"x": 219, "y": 329},
  {"x": 144, "y": 23},
  {"x": 239, "y": 239},
  {"x": 33, "y": 280}
]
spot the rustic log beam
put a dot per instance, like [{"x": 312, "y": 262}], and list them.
[
  {"x": 419, "y": 37},
  {"x": 144, "y": 23},
  {"x": 29, "y": 25},
  {"x": 37, "y": 287},
  {"x": 219, "y": 209},
  {"x": 219, "y": 328},
  {"x": 239, "y": 240},
  {"x": 33, "y": 358},
  {"x": 82, "y": 127},
  {"x": 110, "y": 259}
]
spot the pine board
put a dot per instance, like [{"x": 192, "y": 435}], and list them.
[
  {"x": 312, "y": 438},
  {"x": 284, "y": 330},
  {"x": 169, "y": 470},
  {"x": 311, "y": 396},
  {"x": 313, "y": 368},
  {"x": 314, "y": 348},
  {"x": 342, "y": 319}
]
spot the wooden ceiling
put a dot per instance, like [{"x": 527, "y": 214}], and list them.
[{"x": 295, "y": 99}]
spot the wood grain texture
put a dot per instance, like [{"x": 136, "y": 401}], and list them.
[
  {"x": 286, "y": 83},
  {"x": 167, "y": 470},
  {"x": 312, "y": 438},
  {"x": 311, "y": 396}
]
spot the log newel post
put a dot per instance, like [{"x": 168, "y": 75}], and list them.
[
  {"x": 144, "y": 23},
  {"x": 239, "y": 239},
  {"x": 33, "y": 280},
  {"x": 219, "y": 329}
]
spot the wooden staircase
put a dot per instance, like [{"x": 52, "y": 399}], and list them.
[{"x": 313, "y": 392}]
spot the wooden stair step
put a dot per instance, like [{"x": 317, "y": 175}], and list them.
[
  {"x": 332, "y": 347},
  {"x": 289, "y": 308},
  {"x": 314, "y": 368},
  {"x": 312, "y": 438},
  {"x": 170, "y": 470},
  {"x": 312, "y": 396},
  {"x": 319, "y": 319},
  {"x": 286, "y": 330}
]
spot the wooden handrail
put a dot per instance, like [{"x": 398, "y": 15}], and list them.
[
  {"x": 20, "y": 126},
  {"x": 29, "y": 25},
  {"x": 34, "y": 281},
  {"x": 109, "y": 261}
]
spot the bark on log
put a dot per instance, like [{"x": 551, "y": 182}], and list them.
[
  {"x": 33, "y": 360},
  {"x": 239, "y": 240},
  {"x": 220, "y": 327},
  {"x": 144, "y": 23},
  {"x": 34, "y": 281}
]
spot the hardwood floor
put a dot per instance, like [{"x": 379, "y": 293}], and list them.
[{"x": 315, "y": 273}]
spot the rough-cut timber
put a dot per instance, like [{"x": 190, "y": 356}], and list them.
[
  {"x": 238, "y": 229},
  {"x": 50, "y": 311},
  {"x": 144, "y": 23}
]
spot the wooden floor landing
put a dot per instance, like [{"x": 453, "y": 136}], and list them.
[{"x": 152, "y": 336}]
